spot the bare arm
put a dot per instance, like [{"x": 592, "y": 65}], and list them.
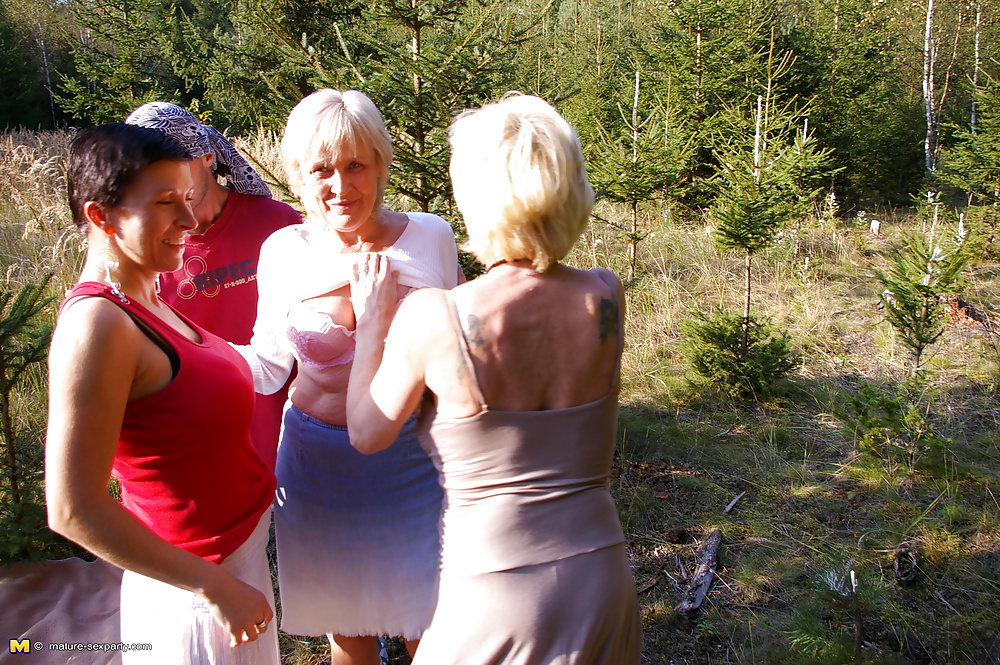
[
  {"x": 96, "y": 364},
  {"x": 387, "y": 379}
]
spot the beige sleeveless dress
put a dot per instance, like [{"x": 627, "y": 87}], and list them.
[{"x": 534, "y": 569}]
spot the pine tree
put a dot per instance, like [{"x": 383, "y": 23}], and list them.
[
  {"x": 435, "y": 59},
  {"x": 642, "y": 156},
  {"x": 34, "y": 52},
  {"x": 253, "y": 60},
  {"x": 118, "y": 59},
  {"x": 760, "y": 191},
  {"x": 862, "y": 102},
  {"x": 921, "y": 274},
  {"x": 24, "y": 343},
  {"x": 972, "y": 163}
]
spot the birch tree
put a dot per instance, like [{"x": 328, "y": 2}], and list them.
[{"x": 930, "y": 102}]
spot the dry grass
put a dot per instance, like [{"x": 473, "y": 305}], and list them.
[{"x": 36, "y": 232}]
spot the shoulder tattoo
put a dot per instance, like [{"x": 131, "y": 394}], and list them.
[
  {"x": 472, "y": 330},
  {"x": 608, "y": 319}
]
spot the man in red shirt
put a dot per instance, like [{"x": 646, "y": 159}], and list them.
[{"x": 217, "y": 286}]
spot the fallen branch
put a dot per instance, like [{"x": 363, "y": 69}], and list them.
[
  {"x": 733, "y": 502},
  {"x": 703, "y": 574}
]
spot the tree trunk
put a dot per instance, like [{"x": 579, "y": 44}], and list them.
[
  {"x": 946, "y": 85},
  {"x": 419, "y": 134},
  {"x": 697, "y": 57},
  {"x": 930, "y": 59},
  {"x": 633, "y": 249},
  {"x": 757, "y": 147},
  {"x": 977, "y": 64},
  {"x": 633, "y": 245},
  {"x": 757, "y": 140},
  {"x": 745, "y": 334},
  {"x": 40, "y": 41}
]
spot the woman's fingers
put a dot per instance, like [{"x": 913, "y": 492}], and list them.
[
  {"x": 252, "y": 633},
  {"x": 374, "y": 286},
  {"x": 240, "y": 609}
]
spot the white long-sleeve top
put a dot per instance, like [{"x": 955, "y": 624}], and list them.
[{"x": 301, "y": 261}]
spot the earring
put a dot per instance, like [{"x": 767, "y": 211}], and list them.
[{"x": 110, "y": 263}]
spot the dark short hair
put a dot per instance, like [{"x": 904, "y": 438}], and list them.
[{"x": 104, "y": 161}]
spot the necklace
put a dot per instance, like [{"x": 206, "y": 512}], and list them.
[{"x": 502, "y": 262}]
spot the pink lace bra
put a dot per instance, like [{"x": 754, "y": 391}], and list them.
[{"x": 319, "y": 341}]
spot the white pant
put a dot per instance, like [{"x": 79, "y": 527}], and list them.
[{"x": 178, "y": 624}]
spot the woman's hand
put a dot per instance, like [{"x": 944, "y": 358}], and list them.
[
  {"x": 240, "y": 609},
  {"x": 374, "y": 292}
]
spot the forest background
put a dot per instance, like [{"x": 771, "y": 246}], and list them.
[{"x": 848, "y": 149}]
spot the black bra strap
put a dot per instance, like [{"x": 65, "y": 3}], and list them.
[{"x": 156, "y": 338}]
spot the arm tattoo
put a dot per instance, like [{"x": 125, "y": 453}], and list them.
[
  {"x": 608, "y": 321},
  {"x": 472, "y": 332}
]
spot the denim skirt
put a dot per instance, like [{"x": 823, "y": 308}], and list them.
[{"x": 357, "y": 536}]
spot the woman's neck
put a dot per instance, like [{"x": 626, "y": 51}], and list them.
[
  {"x": 133, "y": 284},
  {"x": 377, "y": 233}
]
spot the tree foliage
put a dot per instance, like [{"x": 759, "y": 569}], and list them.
[
  {"x": 24, "y": 341},
  {"x": 742, "y": 365},
  {"x": 118, "y": 60},
  {"x": 856, "y": 64},
  {"x": 921, "y": 274},
  {"x": 973, "y": 162}
]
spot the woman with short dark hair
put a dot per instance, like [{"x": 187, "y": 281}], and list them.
[{"x": 139, "y": 392}]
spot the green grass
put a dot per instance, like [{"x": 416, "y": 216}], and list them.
[{"x": 815, "y": 507}]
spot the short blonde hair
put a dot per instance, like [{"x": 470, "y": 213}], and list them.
[
  {"x": 322, "y": 125},
  {"x": 518, "y": 175}
]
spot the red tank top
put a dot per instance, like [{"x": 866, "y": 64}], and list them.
[{"x": 184, "y": 460}]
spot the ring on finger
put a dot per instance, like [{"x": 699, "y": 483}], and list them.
[{"x": 262, "y": 623}]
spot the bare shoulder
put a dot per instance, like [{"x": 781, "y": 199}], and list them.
[
  {"x": 614, "y": 282},
  {"x": 93, "y": 326},
  {"x": 608, "y": 277},
  {"x": 86, "y": 315},
  {"x": 419, "y": 328},
  {"x": 422, "y": 308}
]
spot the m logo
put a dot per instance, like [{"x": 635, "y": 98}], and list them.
[{"x": 20, "y": 646}]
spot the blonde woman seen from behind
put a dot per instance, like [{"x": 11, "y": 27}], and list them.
[{"x": 523, "y": 364}]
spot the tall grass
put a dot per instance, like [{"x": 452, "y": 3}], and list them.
[
  {"x": 36, "y": 239},
  {"x": 36, "y": 233}
]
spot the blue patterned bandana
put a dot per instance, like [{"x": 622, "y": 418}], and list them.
[{"x": 200, "y": 140}]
